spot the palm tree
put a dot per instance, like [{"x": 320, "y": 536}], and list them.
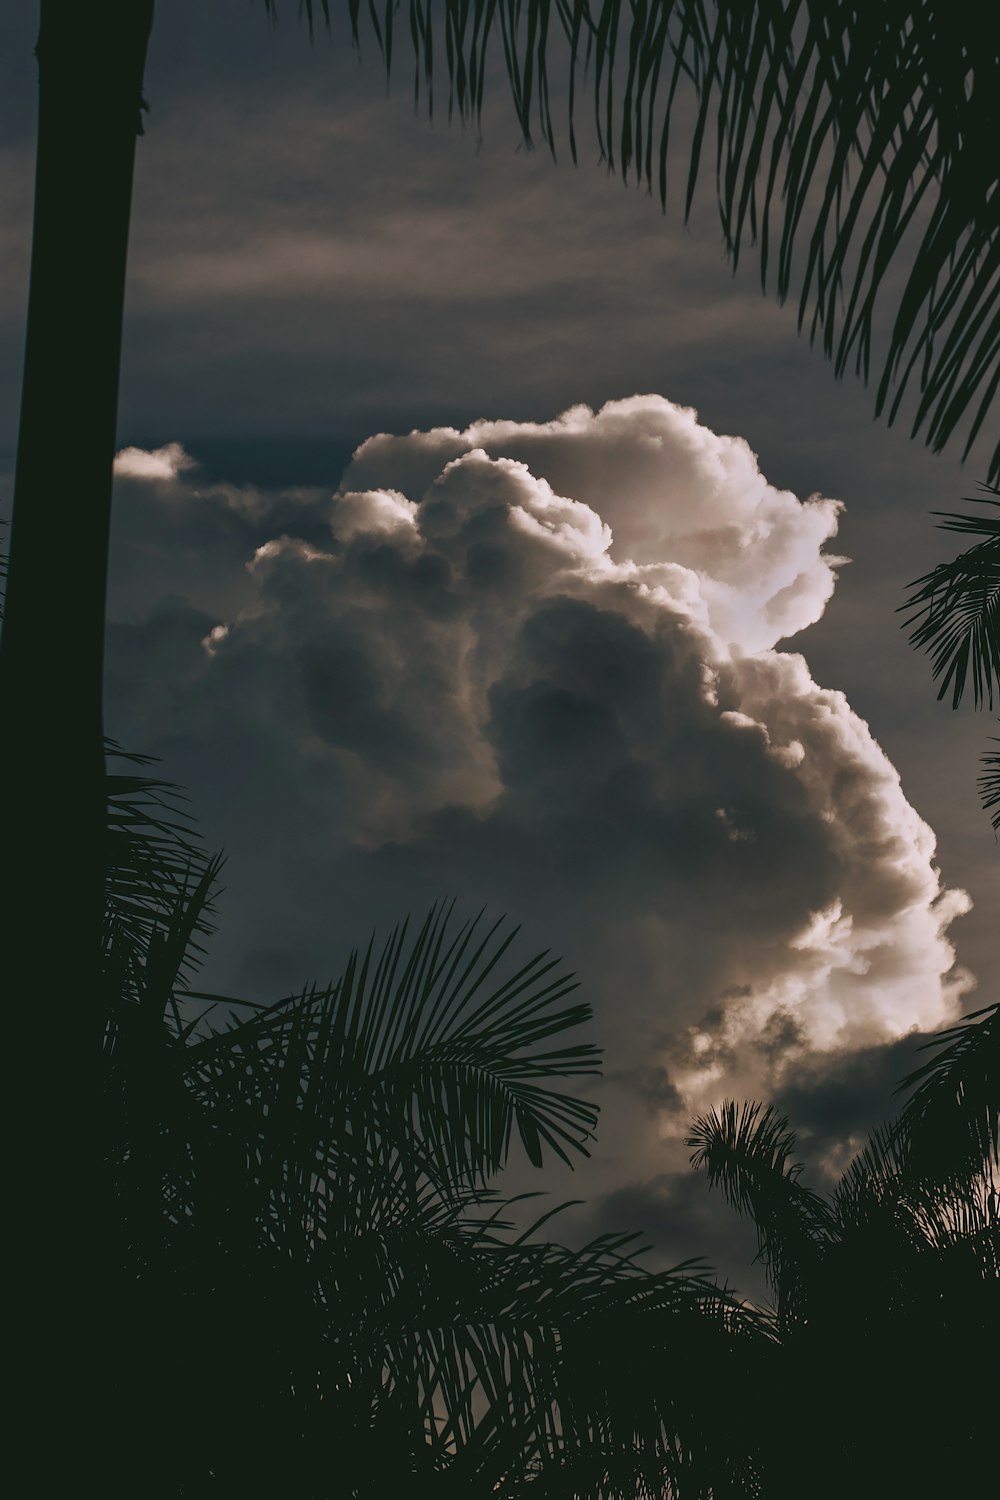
[
  {"x": 886, "y": 1292},
  {"x": 318, "y": 1293},
  {"x": 954, "y": 612},
  {"x": 90, "y": 60}
]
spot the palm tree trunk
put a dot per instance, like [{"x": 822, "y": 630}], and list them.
[{"x": 91, "y": 59}]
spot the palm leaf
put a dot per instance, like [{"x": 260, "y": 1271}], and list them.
[
  {"x": 747, "y": 1152},
  {"x": 989, "y": 784},
  {"x": 896, "y": 1278},
  {"x": 592, "y": 1362},
  {"x": 881, "y": 1197},
  {"x": 154, "y": 860},
  {"x": 951, "y": 1118},
  {"x": 848, "y": 149},
  {"x": 956, "y": 609},
  {"x": 421, "y": 1035},
  {"x": 528, "y": 1358},
  {"x": 925, "y": 1180}
]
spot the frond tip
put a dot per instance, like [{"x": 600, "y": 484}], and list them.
[{"x": 748, "y": 1152}]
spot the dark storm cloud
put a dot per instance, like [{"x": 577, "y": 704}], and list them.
[
  {"x": 612, "y": 767},
  {"x": 834, "y": 1107},
  {"x": 675, "y": 1211}
]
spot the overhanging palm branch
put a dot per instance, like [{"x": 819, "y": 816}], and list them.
[
  {"x": 955, "y": 609},
  {"x": 848, "y": 146}
]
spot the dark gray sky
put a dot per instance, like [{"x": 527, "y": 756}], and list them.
[{"x": 478, "y": 697}]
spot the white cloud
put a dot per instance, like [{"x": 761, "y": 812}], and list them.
[
  {"x": 536, "y": 665},
  {"x": 373, "y": 511},
  {"x": 158, "y": 463}
]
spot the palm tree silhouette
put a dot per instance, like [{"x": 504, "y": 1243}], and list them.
[
  {"x": 90, "y": 61},
  {"x": 887, "y": 1292},
  {"x": 315, "y": 1291}
]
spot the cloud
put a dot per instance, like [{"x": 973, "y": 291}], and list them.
[
  {"x": 674, "y": 1210},
  {"x": 674, "y": 494},
  {"x": 538, "y": 665},
  {"x": 157, "y": 463}
]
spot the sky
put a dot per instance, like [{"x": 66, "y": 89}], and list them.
[{"x": 477, "y": 534}]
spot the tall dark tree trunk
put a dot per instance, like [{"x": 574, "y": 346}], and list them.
[{"x": 91, "y": 59}]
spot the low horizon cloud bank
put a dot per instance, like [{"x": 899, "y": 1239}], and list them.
[{"x": 543, "y": 665}]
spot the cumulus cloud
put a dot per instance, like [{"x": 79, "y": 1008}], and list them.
[
  {"x": 538, "y": 665},
  {"x": 674, "y": 494}
]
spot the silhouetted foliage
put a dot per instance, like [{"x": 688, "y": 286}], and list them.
[
  {"x": 989, "y": 783},
  {"x": 950, "y": 1122},
  {"x": 318, "y": 1283},
  {"x": 885, "y": 1293},
  {"x": 954, "y": 612}
]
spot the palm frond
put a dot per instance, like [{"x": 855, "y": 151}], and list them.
[
  {"x": 420, "y": 1041},
  {"x": 595, "y": 1362},
  {"x": 951, "y": 1120},
  {"x": 955, "y": 609},
  {"x": 989, "y": 784},
  {"x": 896, "y": 1277},
  {"x": 914, "y": 1239},
  {"x": 848, "y": 149},
  {"x": 747, "y": 1152},
  {"x": 873, "y": 1175},
  {"x": 154, "y": 859},
  {"x": 919, "y": 1201}
]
